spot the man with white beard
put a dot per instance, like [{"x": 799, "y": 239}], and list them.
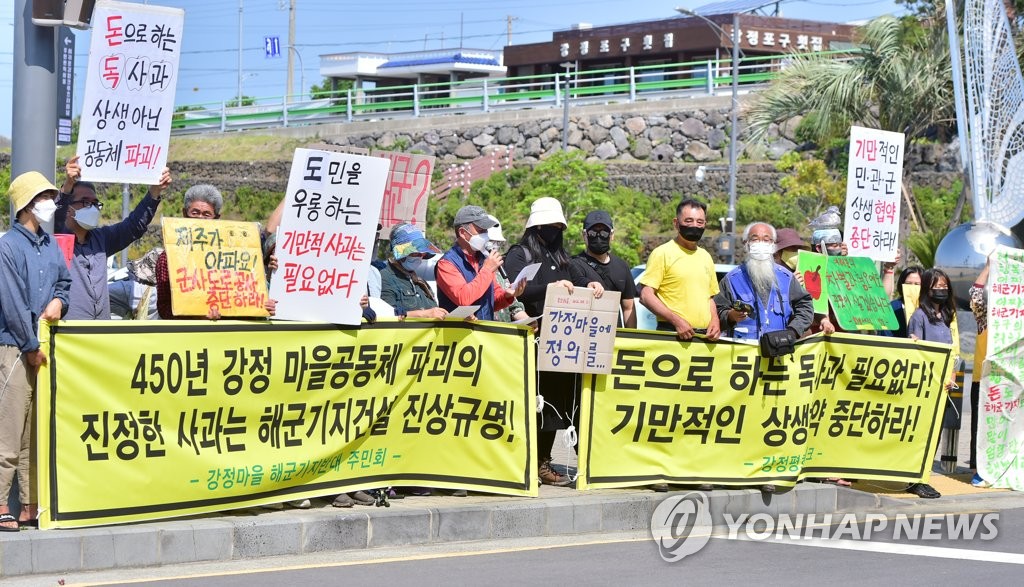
[{"x": 751, "y": 301}]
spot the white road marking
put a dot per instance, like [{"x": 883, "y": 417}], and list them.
[{"x": 896, "y": 548}]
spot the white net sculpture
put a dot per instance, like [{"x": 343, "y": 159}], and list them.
[{"x": 993, "y": 123}]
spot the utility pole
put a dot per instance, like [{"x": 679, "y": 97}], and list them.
[
  {"x": 240, "y": 52},
  {"x": 291, "y": 56},
  {"x": 508, "y": 19}
]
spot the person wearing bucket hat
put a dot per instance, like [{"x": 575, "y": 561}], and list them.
[
  {"x": 788, "y": 245},
  {"x": 34, "y": 285},
  {"x": 78, "y": 213},
  {"x": 467, "y": 273},
  {"x": 401, "y": 287},
  {"x": 542, "y": 243}
]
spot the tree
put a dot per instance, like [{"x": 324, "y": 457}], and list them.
[
  {"x": 900, "y": 80},
  {"x": 324, "y": 89}
]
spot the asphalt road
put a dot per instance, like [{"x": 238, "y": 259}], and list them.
[{"x": 620, "y": 559}]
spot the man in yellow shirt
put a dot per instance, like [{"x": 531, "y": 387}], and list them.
[{"x": 680, "y": 282}]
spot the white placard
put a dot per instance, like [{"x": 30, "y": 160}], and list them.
[
  {"x": 326, "y": 235},
  {"x": 527, "y": 273},
  {"x": 129, "y": 92},
  {"x": 874, "y": 182},
  {"x": 462, "y": 312}
]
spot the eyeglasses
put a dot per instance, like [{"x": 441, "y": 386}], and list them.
[
  {"x": 598, "y": 233},
  {"x": 761, "y": 239},
  {"x": 207, "y": 214},
  {"x": 79, "y": 204}
]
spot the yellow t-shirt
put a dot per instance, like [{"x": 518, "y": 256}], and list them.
[{"x": 684, "y": 280}]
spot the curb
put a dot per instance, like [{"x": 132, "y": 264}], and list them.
[{"x": 558, "y": 511}]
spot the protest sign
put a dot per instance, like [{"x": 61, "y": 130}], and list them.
[
  {"x": 407, "y": 191},
  {"x": 857, "y": 296},
  {"x": 853, "y": 406},
  {"x": 327, "y": 232},
  {"x": 191, "y": 417},
  {"x": 577, "y": 330},
  {"x": 812, "y": 267},
  {"x": 874, "y": 183},
  {"x": 215, "y": 264},
  {"x": 1000, "y": 427},
  {"x": 129, "y": 92}
]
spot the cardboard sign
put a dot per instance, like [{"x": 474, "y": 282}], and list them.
[
  {"x": 129, "y": 92},
  {"x": 578, "y": 330},
  {"x": 857, "y": 296},
  {"x": 873, "y": 185},
  {"x": 407, "y": 191},
  {"x": 215, "y": 264},
  {"x": 326, "y": 235}
]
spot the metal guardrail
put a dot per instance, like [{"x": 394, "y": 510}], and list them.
[{"x": 628, "y": 84}]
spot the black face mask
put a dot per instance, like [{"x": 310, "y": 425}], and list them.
[
  {"x": 549, "y": 234},
  {"x": 940, "y": 295},
  {"x": 599, "y": 244},
  {"x": 691, "y": 233}
]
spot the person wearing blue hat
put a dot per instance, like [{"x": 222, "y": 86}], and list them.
[{"x": 400, "y": 286}]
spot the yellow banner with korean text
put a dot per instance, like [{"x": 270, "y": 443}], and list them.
[
  {"x": 852, "y": 406},
  {"x": 189, "y": 417}
]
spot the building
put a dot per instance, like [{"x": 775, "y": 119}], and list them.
[
  {"x": 673, "y": 40},
  {"x": 370, "y": 71}
]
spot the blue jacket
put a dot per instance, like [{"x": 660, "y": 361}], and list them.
[
  {"x": 765, "y": 318},
  {"x": 486, "y": 302},
  {"x": 32, "y": 273}
]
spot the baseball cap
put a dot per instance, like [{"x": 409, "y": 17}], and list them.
[
  {"x": 406, "y": 240},
  {"x": 473, "y": 215},
  {"x": 26, "y": 187},
  {"x": 597, "y": 217}
]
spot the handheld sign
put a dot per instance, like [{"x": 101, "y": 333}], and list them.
[
  {"x": 215, "y": 264},
  {"x": 811, "y": 266},
  {"x": 407, "y": 191},
  {"x": 873, "y": 185},
  {"x": 327, "y": 231},
  {"x": 129, "y": 92},
  {"x": 857, "y": 295},
  {"x": 578, "y": 331}
]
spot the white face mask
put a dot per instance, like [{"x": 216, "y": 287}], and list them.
[
  {"x": 759, "y": 251},
  {"x": 478, "y": 242},
  {"x": 44, "y": 211},
  {"x": 88, "y": 218}
]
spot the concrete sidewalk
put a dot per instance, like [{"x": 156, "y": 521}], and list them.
[{"x": 414, "y": 520}]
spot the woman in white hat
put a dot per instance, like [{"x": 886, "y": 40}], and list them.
[{"x": 542, "y": 243}]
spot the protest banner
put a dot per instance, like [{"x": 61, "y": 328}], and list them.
[
  {"x": 578, "y": 330},
  {"x": 1000, "y": 427},
  {"x": 187, "y": 417},
  {"x": 857, "y": 296},
  {"x": 326, "y": 235},
  {"x": 407, "y": 191},
  {"x": 874, "y": 182},
  {"x": 129, "y": 92},
  {"x": 215, "y": 264},
  {"x": 813, "y": 267},
  {"x": 847, "y": 405}
]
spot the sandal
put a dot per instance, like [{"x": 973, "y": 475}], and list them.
[
  {"x": 7, "y": 518},
  {"x": 837, "y": 481},
  {"x": 33, "y": 523}
]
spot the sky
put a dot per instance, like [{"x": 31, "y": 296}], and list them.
[{"x": 209, "y": 62}]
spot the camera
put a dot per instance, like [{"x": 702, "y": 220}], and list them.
[{"x": 741, "y": 306}]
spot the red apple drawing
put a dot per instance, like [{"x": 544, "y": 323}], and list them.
[{"x": 812, "y": 281}]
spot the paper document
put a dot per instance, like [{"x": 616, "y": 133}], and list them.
[
  {"x": 527, "y": 273},
  {"x": 527, "y": 320},
  {"x": 462, "y": 312}
]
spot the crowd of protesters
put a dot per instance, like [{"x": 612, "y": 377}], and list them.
[{"x": 679, "y": 286}]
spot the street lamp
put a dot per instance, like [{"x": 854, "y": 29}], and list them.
[
  {"x": 565, "y": 102},
  {"x": 730, "y": 220},
  {"x": 302, "y": 76}
]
